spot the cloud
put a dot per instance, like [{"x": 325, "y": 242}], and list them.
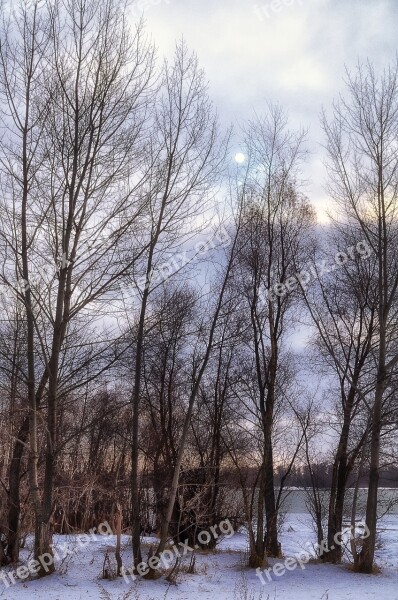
[{"x": 295, "y": 55}]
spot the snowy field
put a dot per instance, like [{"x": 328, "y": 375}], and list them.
[{"x": 219, "y": 575}]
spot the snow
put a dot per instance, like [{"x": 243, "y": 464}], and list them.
[{"x": 219, "y": 575}]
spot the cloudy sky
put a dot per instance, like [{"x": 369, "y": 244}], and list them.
[{"x": 290, "y": 51}]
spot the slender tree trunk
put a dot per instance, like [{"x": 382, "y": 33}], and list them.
[
  {"x": 258, "y": 557},
  {"x": 355, "y": 499},
  {"x": 366, "y": 556},
  {"x": 135, "y": 485},
  {"x": 272, "y": 545},
  {"x": 337, "y": 494},
  {"x": 197, "y": 382},
  {"x": 14, "y": 492},
  {"x": 31, "y": 378},
  {"x": 271, "y": 514},
  {"x": 15, "y": 476}
]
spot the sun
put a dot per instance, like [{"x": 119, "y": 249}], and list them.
[{"x": 239, "y": 158}]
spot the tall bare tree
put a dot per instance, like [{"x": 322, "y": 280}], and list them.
[
  {"x": 342, "y": 306},
  {"x": 184, "y": 159},
  {"x": 362, "y": 144},
  {"x": 75, "y": 85},
  {"x": 274, "y": 233}
]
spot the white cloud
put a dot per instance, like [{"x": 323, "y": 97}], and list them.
[{"x": 296, "y": 56}]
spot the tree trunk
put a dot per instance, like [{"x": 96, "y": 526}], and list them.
[
  {"x": 14, "y": 499},
  {"x": 337, "y": 495},
  {"x": 366, "y": 556},
  {"x": 271, "y": 514},
  {"x": 259, "y": 549}
]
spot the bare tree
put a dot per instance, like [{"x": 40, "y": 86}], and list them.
[
  {"x": 201, "y": 359},
  {"x": 73, "y": 133},
  {"x": 363, "y": 162},
  {"x": 276, "y": 220},
  {"x": 342, "y": 307},
  {"x": 184, "y": 161}
]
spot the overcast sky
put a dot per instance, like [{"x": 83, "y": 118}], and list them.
[{"x": 290, "y": 51}]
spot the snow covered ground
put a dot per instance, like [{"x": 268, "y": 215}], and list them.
[{"x": 219, "y": 575}]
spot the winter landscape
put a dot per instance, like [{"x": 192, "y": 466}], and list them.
[
  {"x": 198, "y": 299},
  {"x": 222, "y": 574}
]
